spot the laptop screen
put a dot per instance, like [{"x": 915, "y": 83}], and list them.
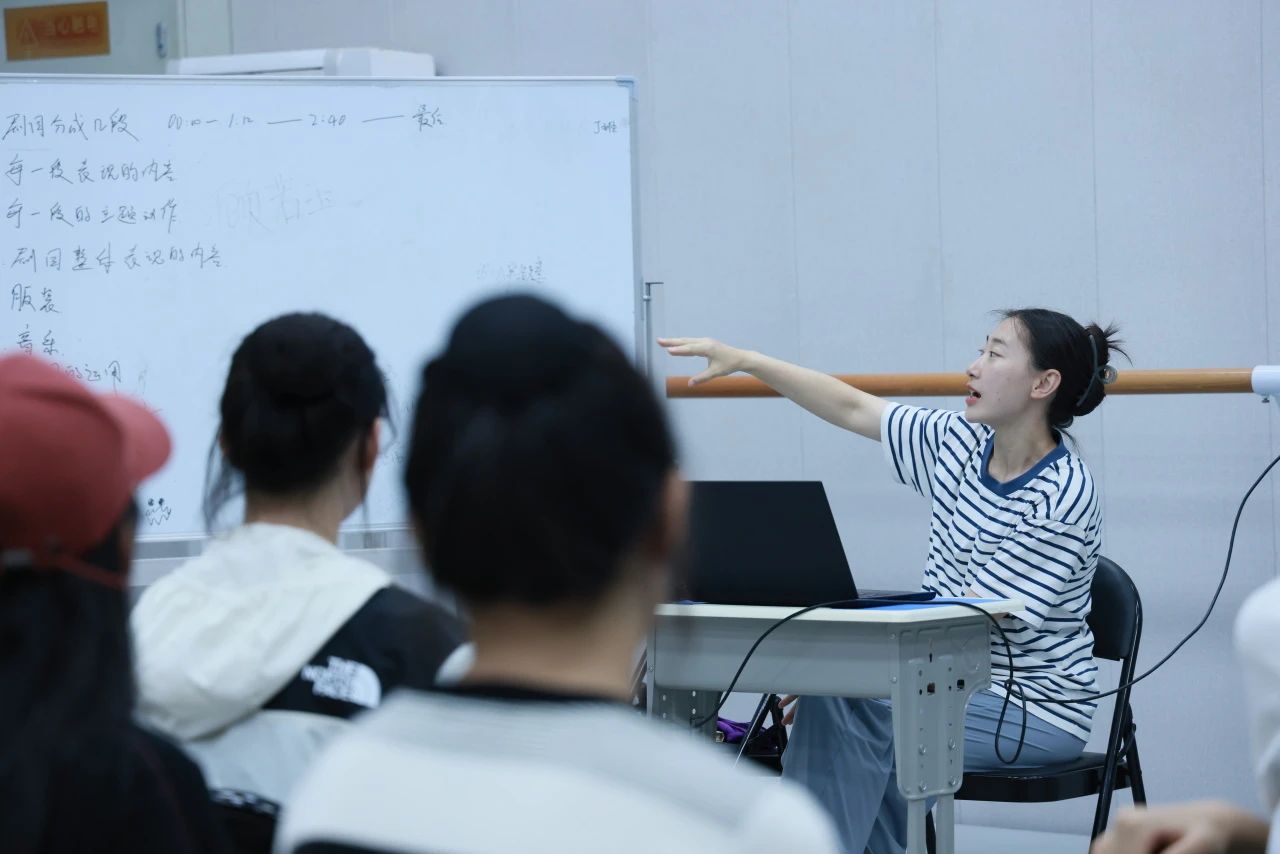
[{"x": 764, "y": 543}]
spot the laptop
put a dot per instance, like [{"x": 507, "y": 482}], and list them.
[{"x": 771, "y": 543}]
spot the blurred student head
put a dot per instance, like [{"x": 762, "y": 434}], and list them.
[
  {"x": 299, "y": 416},
  {"x": 542, "y": 473}
]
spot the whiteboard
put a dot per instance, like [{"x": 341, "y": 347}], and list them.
[{"x": 149, "y": 223}]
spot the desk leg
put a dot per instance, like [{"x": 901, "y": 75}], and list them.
[
  {"x": 685, "y": 707},
  {"x": 944, "y": 826},
  {"x": 938, "y": 668},
  {"x": 916, "y": 809}
]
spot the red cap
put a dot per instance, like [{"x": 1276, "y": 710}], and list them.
[{"x": 70, "y": 459}]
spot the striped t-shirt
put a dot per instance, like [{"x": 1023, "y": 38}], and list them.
[{"x": 1035, "y": 538}]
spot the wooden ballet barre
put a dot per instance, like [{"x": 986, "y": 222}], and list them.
[{"x": 1189, "y": 381}]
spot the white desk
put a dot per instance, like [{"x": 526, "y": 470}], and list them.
[{"x": 927, "y": 660}]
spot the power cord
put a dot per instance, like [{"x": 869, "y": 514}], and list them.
[
  {"x": 706, "y": 719},
  {"x": 761, "y": 708}
]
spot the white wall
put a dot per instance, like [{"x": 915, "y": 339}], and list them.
[{"x": 854, "y": 185}]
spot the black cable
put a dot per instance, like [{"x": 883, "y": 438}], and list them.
[
  {"x": 710, "y": 716},
  {"x": 706, "y": 719},
  {"x": 1231, "y": 544},
  {"x": 1010, "y": 686},
  {"x": 761, "y": 708}
]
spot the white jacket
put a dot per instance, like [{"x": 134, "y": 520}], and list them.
[{"x": 219, "y": 637}]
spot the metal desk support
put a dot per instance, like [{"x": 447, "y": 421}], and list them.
[{"x": 928, "y": 661}]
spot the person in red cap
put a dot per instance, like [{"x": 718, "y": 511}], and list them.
[{"x": 76, "y": 772}]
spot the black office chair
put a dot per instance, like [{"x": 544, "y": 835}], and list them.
[{"x": 1116, "y": 621}]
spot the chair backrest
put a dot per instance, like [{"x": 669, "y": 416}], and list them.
[
  {"x": 1116, "y": 621},
  {"x": 1116, "y": 616}
]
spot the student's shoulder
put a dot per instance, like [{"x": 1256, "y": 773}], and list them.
[
  {"x": 610, "y": 743},
  {"x": 396, "y": 602},
  {"x": 403, "y": 639},
  {"x": 764, "y": 814},
  {"x": 659, "y": 756},
  {"x": 399, "y": 614},
  {"x": 599, "y": 748}
]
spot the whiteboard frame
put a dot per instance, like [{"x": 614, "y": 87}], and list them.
[{"x": 168, "y": 549}]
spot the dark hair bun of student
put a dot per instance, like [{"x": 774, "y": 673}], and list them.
[
  {"x": 538, "y": 456},
  {"x": 291, "y": 362},
  {"x": 514, "y": 350},
  {"x": 1081, "y": 355},
  {"x": 301, "y": 389}
]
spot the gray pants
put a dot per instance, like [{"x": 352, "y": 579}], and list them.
[{"x": 842, "y": 751}]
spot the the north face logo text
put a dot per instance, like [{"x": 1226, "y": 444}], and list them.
[{"x": 349, "y": 681}]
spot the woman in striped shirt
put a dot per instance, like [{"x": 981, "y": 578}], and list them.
[{"x": 1015, "y": 514}]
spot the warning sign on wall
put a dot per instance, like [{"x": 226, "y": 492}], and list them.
[{"x": 68, "y": 29}]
